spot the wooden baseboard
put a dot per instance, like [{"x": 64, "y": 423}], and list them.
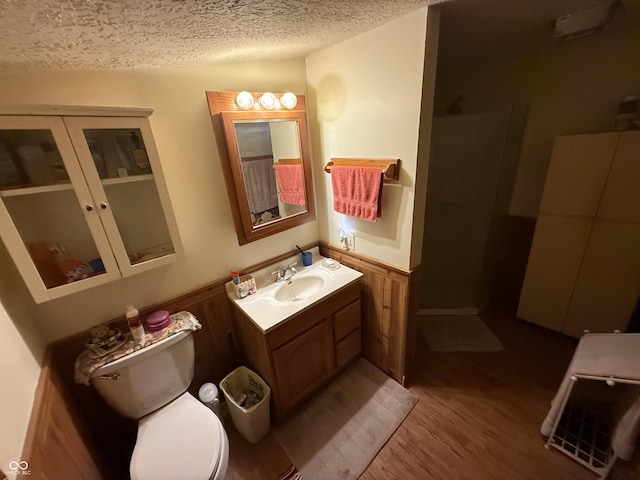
[{"x": 449, "y": 311}]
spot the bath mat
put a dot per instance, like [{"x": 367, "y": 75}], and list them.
[
  {"x": 291, "y": 474},
  {"x": 457, "y": 333},
  {"x": 338, "y": 432}
]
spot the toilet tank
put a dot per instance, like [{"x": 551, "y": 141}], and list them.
[{"x": 148, "y": 379}]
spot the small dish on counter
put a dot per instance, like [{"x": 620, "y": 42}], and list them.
[{"x": 331, "y": 263}]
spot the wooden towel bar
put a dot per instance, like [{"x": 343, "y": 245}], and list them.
[
  {"x": 288, "y": 161},
  {"x": 390, "y": 167}
]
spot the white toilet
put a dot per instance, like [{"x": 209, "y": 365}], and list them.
[{"x": 178, "y": 437}]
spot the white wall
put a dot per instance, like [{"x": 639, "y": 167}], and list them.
[
  {"x": 365, "y": 102},
  {"x": 187, "y": 148},
  {"x": 21, "y": 355},
  {"x": 570, "y": 88}
]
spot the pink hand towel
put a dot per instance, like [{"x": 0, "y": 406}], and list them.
[
  {"x": 357, "y": 191},
  {"x": 290, "y": 183}
]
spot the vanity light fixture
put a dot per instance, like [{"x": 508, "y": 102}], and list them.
[
  {"x": 288, "y": 100},
  {"x": 268, "y": 101},
  {"x": 244, "y": 100}
]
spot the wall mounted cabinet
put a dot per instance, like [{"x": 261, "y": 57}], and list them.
[
  {"x": 83, "y": 200},
  {"x": 584, "y": 265}
]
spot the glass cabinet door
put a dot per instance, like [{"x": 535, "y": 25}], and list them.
[
  {"x": 47, "y": 214},
  {"x": 121, "y": 166}
]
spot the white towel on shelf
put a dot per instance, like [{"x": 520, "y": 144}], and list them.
[{"x": 605, "y": 355}]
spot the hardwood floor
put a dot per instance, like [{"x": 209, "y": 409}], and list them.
[{"x": 478, "y": 416}]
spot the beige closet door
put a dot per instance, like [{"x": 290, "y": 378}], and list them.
[
  {"x": 577, "y": 174},
  {"x": 554, "y": 261},
  {"x": 609, "y": 281},
  {"x": 621, "y": 196}
]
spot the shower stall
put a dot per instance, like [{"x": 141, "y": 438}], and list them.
[{"x": 472, "y": 168}]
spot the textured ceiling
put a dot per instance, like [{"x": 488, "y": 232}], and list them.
[
  {"x": 137, "y": 34},
  {"x": 128, "y": 34}
]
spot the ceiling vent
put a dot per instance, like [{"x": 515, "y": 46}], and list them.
[{"x": 583, "y": 23}]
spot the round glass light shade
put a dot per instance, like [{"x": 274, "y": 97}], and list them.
[
  {"x": 268, "y": 101},
  {"x": 244, "y": 100},
  {"x": 288, "y": 100}
]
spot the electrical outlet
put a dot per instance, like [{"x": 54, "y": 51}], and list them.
[{"x": 351, "y": 241}]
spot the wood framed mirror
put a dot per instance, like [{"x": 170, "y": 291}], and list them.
[{"x": 266, "y": 164}]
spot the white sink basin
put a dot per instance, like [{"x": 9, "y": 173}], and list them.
[
  {"x": 276, "y": 302},
  {"x": 300, "y": 288}
]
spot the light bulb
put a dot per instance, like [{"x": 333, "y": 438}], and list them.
[
  {"x": 268, "y": 101},
  {"x": 244, "y": 100},
  {"x": 288, "y": 100}
]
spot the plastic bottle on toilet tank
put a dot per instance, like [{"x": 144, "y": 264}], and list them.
[{"x": 135, "y": 323}]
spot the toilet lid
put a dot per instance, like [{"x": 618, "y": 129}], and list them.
[{"x": 180, "y": 440}]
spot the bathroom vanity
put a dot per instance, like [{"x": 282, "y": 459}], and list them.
[{"x": 297, "y": 338}]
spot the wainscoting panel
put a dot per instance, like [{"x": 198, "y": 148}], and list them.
[
  {"x": 114, "y": 435},
  {"x": 57, "y": 443},
  {"x": 389, "y": 310}
]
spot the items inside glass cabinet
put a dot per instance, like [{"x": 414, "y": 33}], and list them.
[
  {"x": 31, "y": 158},
  {"x": 57, "y": 266}
]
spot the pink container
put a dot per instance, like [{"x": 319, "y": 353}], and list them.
[{"x": 158, "y": 321}]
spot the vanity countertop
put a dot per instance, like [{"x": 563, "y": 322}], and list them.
[{"x": 266, "y": 311}]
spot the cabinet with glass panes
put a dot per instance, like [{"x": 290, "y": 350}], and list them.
[{"x": 83, "y": 200}]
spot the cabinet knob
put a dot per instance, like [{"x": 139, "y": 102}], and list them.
[
  {"x": 88, "y": 207},
  {"x": 103, "y": 206}
]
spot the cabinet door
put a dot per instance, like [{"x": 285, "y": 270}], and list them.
[
  {"x": 621, "y": 196},
  {"x": 577, "y": 174},
  {"x": 554, "y": 261},
  {"x": 49, "y": 219},
  {"x": 303, "y": 363},
  {"x": 609, "y": 281},
  {"x": 121, "y": 165}
]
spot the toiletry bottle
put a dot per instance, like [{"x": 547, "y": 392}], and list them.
[
  {"x": 96, "y": 153},
  {"x": 235, "y": 277},
  {"x": 135, "y": 323},
  {"x": 138, "y": 153},
  {"x": 55, "y": 162},
  {"x": 9, "y": 174}
]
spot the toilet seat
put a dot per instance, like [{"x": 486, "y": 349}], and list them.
[{"x": 183, "y": 439}]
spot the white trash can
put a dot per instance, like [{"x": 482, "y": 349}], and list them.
[{"x": 247, "y": 398}]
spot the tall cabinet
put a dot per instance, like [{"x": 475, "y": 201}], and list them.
[
  {"x": 83, "y": 200},
  {"x": 583, "y": 271}
]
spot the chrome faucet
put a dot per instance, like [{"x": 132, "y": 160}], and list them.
[{"x": 285, "y": 273}]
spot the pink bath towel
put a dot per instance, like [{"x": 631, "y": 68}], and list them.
[
  {"x": 357, "y": 191},
  {"x": 290, "y": 183}
]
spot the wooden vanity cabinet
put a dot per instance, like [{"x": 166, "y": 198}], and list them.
[
  {"x": 303, "y": 363},
  {"x": 301, "y": 354}
]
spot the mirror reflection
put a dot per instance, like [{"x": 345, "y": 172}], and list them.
[
  {"x": 265, "y": 159},
  {"x": 271, "y": 164}
]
